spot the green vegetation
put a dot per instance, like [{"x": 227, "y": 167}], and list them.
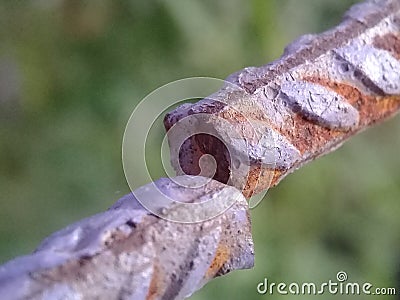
[{"x": 71, "y": 72}]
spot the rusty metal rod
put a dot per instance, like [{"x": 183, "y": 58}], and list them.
[{"x": 324, "y": 89}]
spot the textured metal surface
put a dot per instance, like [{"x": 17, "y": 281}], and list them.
[
  {"x": 274, "y": 118},
  {"x": 127, "y": 253},
  {"x": 325, "y": 88}
]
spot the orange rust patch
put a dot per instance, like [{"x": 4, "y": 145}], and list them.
[
  {"x": 155, "y": 284},
  {"x": 307, "y": 136},
  {"x": 252, "y": 182},
  {"x": 258, "y": 180},
  {"x": 389, "y": 42},
  {"x": 277, "y": 175},
  {"x": 232, "y": 115},
  {"x": 220, "y": 258}
]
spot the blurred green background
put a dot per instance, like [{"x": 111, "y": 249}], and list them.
[{"x": 71, "y": 73}]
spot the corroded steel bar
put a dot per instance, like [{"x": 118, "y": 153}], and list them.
[
  {"x": 128, "y": 253},
  {"x": 324, "y": 89}
]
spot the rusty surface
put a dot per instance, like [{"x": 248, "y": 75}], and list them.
[
  {"x": 129, "y": 253},
  {"x": 324, "y": 89},
  {"x": 221, "y": 257}
]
